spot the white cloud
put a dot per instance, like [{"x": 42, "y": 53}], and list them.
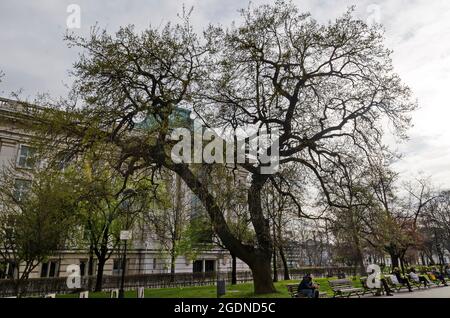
[{"x": 34, "y": 58}]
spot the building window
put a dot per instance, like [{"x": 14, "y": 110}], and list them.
[
  {"x": 83, "y": 268},
  {"x": 155, "y": 263},
  {"x": 21, "y": 187},
  {"x": 8, "y": 270},
  {"x": 198, "y": 266},
  {"x": 210, "y": 266},
  {"x": 25, "y": 157},
  {"x": 44, "y": 269},
  {"x": 52, "y": 269},
  {"x": 49, "y": 269},
  {"x": 117, "y": 266}
]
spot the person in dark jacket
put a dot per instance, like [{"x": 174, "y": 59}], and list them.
[
  {"x": 401, "y": 279},
  {"x": 308, "y": 288},
  {"x": 386, "y": 288}
]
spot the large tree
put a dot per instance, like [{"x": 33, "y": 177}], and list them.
[
  {"x": 393, "y": 224},
  {"x": 325, "y": 88}
]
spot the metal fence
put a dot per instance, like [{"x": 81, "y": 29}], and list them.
[{"x": 42, "y": 286}]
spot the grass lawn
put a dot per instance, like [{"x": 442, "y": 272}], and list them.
[{"x": 236, "y": 291}]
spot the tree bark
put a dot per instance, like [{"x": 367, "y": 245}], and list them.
[
  {"x": 262, "y": 279},
  {"x": 90, "y": 266},
  {"x": 233, "y": 270},
  {"x": 172, "y": 266},
  {"x": 275, "y": 268},
  {"x": 402, "y": 264},
  {"x": 285, "y": 264},
  {"x": 360, "y": 258},
  {"x": 177, "y": 226},
  {"x": 257, "y": 258},
  {"x": 422, "y": 258},
  {"x": 395, "y": 260},
  {"x": 100, "y": 269}
]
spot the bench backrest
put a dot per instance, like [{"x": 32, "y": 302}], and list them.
[
  {"x": 340, "y": 283},
  {"x": 292, "y": 288}
]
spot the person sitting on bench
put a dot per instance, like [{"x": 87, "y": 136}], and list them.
[
  {"x": 386, "y": 288},
  {"x": 418, "y": 278},
  {"x": 401, "y": 279},
  {"x": 439, "y": 275},
  {"x": 308, "y": 288}
]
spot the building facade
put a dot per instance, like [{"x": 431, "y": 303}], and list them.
[{"x": 146, "y": 256}]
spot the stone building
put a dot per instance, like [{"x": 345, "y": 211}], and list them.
[{"x": 144, "y": 257}]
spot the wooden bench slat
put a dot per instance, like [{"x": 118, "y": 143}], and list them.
[{"x": 344, "y": 287}]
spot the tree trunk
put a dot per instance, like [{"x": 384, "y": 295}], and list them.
[
  {"x": 274, "y": 264},
  {"x": 177, "y": 227},
  {"x": 285, "y": 264},
  {"x": 262, "y": 279},
  {"x": 257, "y": 258},
  {"x": 274, "y": 255},
  {"x": 422, "y": 257},
  {"x": 359, "y": 256},
  {"x": 172, "y": 266},
  {"x": 100, "y": 268},
  {"x": 233, "y": 270},
  {"x": 431, "y": 261},
  {"x": 395, "y": 260},
  {"x": 402, "y": 264},
  {"x": 357, "y": 246},
  {"x": 90, "y": 266}
]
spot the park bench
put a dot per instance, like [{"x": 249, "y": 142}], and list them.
[
  {"x": 368, "y": 290},
  {"x": 293, "y": 291},
  {"x": 344, "y": 288},
  {"x": 415, "y": 281},
  {"x": 394, "y": 284},
  {"x": 432, "y": 279}
]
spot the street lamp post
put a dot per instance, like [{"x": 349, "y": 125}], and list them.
[
  {"x": 124, "y": 236},
  {"x": 126, "y": 204}
]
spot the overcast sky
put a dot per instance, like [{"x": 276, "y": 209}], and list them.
[{"x": 35, "y": 59}]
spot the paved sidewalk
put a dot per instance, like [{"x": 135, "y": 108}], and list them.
[{"x": 434, "y": 292}]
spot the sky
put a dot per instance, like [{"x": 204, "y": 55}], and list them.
[{"x": 36, "y": 60}]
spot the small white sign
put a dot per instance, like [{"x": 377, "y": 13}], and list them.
[
  {"x": 84, "y": 294},
  {"x": 140, "y": 292},
  {"x": 125, "y": 235},
  {"x": 114, "y": 293}
]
